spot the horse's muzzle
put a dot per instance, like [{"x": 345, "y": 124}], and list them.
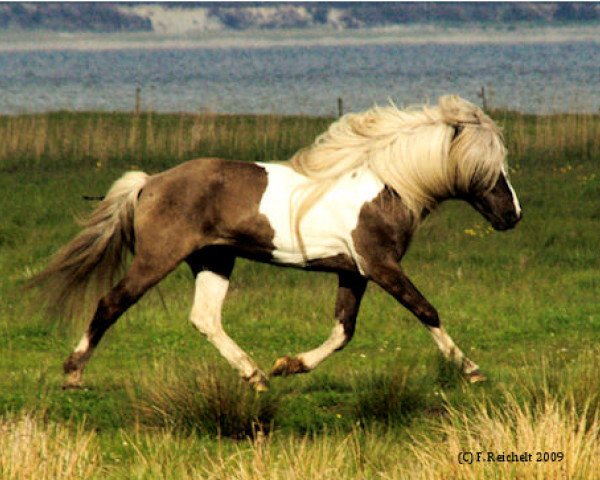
[{"x": 508, "y": 221}]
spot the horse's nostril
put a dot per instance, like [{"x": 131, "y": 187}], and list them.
[{"x": 512, "y": 217}]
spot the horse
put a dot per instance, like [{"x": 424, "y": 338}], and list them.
[{"x": 349, "y": 204}]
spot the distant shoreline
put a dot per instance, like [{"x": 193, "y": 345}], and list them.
[{"x": 260, "y": 39}]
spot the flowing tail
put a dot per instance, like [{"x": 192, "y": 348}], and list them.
[{"x": 89, "y": 263}]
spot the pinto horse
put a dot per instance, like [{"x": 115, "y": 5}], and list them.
[{"x": 349, "y": 203}]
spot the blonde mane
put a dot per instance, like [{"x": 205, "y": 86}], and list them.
[{"x": 412, "y": 151}]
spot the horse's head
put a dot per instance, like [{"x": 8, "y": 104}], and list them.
[
  {"x": 479, "y": 153},
  {"x": 500, "y": 205}
]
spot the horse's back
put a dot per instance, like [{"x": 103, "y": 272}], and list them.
[{"x": 204, "y": 179}]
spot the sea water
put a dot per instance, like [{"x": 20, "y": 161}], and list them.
[{"x": 301, "y": 73}]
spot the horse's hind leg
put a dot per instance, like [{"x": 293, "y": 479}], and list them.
[
  {"x": 212, "y": 283},
  {"x": 350, "y": 291},
  {"x": 139, "y": 278}
]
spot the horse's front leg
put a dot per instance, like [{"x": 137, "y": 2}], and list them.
[
  {"x": 351, "y": 288},
  {"x": 390, "y": 276}
]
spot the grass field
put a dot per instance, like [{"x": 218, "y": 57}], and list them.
[{"x": 161, "y": 403}]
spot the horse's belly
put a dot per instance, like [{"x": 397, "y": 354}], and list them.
[{"x": 288, "y": 253}]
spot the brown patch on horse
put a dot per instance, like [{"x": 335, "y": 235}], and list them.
[
  {"x": 382, "y": 236},
  {"x": 497, "y": 205},
  {"x": 208, "y": 202},
  {"x": 336, "y": 263},
  {"x": 385, "y": 226}
]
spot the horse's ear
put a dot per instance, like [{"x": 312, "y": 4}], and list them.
[{"x": 457, "y": 131}]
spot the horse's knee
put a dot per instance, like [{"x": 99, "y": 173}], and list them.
[
  {"x": 341, "y": 335},
  {"x": 344, "y": 341},
  {"x": 109, "y": 309},
  {"x": 200, "y": 325},
  {"x": 119, "y": 299},
  {"x": 204, "y": 323},
  {"x": 429, "y": 316},
  {"x": 211, "y": 289},
  {"x": 349, "y": 329}
]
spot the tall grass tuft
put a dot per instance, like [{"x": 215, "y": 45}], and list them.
[
  {"x": 576, "y": 382},
  {"x": 205, "y": 399},
  {"x": 331, "y": 456},
  {"x": 389, "y": 396},
  {"x": 33, "y": 449},
  {"x": 561, "y": 441},
  {"x": 571, "y": 445}
]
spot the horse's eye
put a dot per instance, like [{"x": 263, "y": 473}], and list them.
[{"x": 457, "y": 131}]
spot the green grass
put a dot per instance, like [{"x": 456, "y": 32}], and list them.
[{"x": 518, "y": 303}]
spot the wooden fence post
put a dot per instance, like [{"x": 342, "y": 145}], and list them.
[
  {"x": 481, "y": 95},
  {"x": 137, "y": 107},
  {"x": 340, "y": 106}
]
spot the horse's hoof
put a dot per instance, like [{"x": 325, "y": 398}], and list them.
[
  {"x": 72, "y": 386},
  {"x": 261, "y": 386},
  {"x": 280, "y": 366},
  {"x": 73, "y": 381},
  {"x": 258, "y": 381},
  {"x": 288, "y": 366},
  {"x": 475, "y": 377}
]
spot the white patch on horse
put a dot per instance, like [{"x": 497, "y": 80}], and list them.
[
  {"x": 326, "y": 229},
  {"x": 515, "y": 200},
  {"x": 83, "y": 345},
  {"x": 336, "y": 340},
  {"x": 206, "y": 316}
]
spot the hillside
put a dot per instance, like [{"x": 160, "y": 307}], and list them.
[
  {"x": 68, "y": 17},
  {"x": 185, "y": 17}
]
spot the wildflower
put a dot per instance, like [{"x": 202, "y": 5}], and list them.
[
  {"x": 470, "y": 232},
  {"x": 566, "y": 169}
]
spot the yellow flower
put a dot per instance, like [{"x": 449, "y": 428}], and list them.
[
  {"x": 566, "y": 169},
  {"x": 470, "y": 232}
]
